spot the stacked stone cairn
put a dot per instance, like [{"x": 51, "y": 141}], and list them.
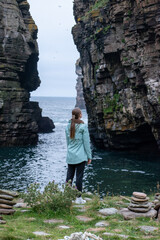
[
  {"x": 156, "y": 203},
  {"x": 6, "y": 203},
  {"x": 139, "y": 203}
]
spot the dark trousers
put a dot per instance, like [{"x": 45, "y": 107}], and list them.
[{"x": 79, "y": 168}]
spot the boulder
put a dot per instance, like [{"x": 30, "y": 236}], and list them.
[
  {"x": 108, "y": 211},
  {"x": 45, "y": 125},
  {"x": 127, "y": 214}
]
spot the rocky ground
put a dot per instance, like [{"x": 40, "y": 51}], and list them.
[{"x": 97, "y": 219}]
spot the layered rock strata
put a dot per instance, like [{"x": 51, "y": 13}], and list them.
[
  {"x": 79, "y": 87},
  {"x": 18, "y": 74},
  {"x": 119, "y": 45}
]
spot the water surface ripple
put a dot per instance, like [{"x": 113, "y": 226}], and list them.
[{"x": 110, "y": 172}]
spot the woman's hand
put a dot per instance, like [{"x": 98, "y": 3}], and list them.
[{"x": 89, "y": 161}]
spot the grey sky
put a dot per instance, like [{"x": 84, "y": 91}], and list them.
[{"x": 58, "y": 53}]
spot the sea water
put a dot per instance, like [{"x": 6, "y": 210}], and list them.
[{"x": 111, "y": 172}]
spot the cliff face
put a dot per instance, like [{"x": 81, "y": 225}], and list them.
[
  {"x": 79, "y": 87},
  {"x": 18, "y": 74},
  {"x": 119, "y": 45}
]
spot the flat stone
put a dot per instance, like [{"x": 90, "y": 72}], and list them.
[
  {"x": 139, "y": 210},
  {"x": 7, "y": 197},
  {"x": 96, "y": 229},
  {"x": 63, "y": 227},
  {"x": 115, "y": 235},
  {"x": 20, "y": 205},
  {"x": 23, "y": 211},
  {"x": 157, "y": 194},
  {"x": 41, "y": 234},
  {"x": 139, "y": 199},
  {"x": 8, "y": 202},
  {"x": 84, "y": 218},
  {"x": 139, "y": 203},
  {"x": 10, "y": 193},
  {"x": 139, "y": 195},
  {"x": 157, "y": 206},
  {"x": 148, "y": 228},
  {"x": 5, "y": 206},
  {"x": 132, "y": 205},
  {"x": 53, "y": 221},
  {"x": 127, "y": 214},
  {"x": 102, "y": 224},
  {"x": 7, "y": 211},
  {"x": 108, "y": 211},
  {"x": 2, "y": 222}
]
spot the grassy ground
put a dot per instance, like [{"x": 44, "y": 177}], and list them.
[{"x": 22, "y": 224}]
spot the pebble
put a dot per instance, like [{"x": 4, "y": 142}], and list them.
[
  {"x": 41, "y": 234},
  {"x": 53, "y": 221},
  {"x": 102, "y": 224},
  {"x": 108, "y": 211},
  {"x": 148, "y": 228},
  {"x": 84, "y": 218}
]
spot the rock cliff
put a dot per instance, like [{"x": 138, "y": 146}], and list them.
[
  {"x": 79, "y": 87},
  {"x": 119, "y": 45},
  {"x": 18, "y": 74}
]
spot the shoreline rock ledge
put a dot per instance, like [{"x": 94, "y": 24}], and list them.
[{"x": 18, "y": 74}]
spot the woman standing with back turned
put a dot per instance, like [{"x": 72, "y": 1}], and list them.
[{"x": 78, "y": 150}]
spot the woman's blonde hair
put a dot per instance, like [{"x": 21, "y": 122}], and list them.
[{"x": 75, "y": 116}]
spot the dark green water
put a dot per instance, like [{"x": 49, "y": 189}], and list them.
[{"x": 111, "y": 172}]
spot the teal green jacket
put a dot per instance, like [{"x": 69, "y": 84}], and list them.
[{"x": 78, "y": 149}]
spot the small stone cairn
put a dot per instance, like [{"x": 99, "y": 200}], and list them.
[
  {"x": 156, "y": 203},
  {"x": 139, "y": 203},
  {"x": 6, "y": 203}
]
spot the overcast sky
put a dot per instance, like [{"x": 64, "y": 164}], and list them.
[{"x": 58, "y": 53}]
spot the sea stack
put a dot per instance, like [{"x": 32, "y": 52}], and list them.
[
  {"x": 18, "y": 74},
  {"x": 79, "y": 87},
  {"x": 139, "y": 203}
]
